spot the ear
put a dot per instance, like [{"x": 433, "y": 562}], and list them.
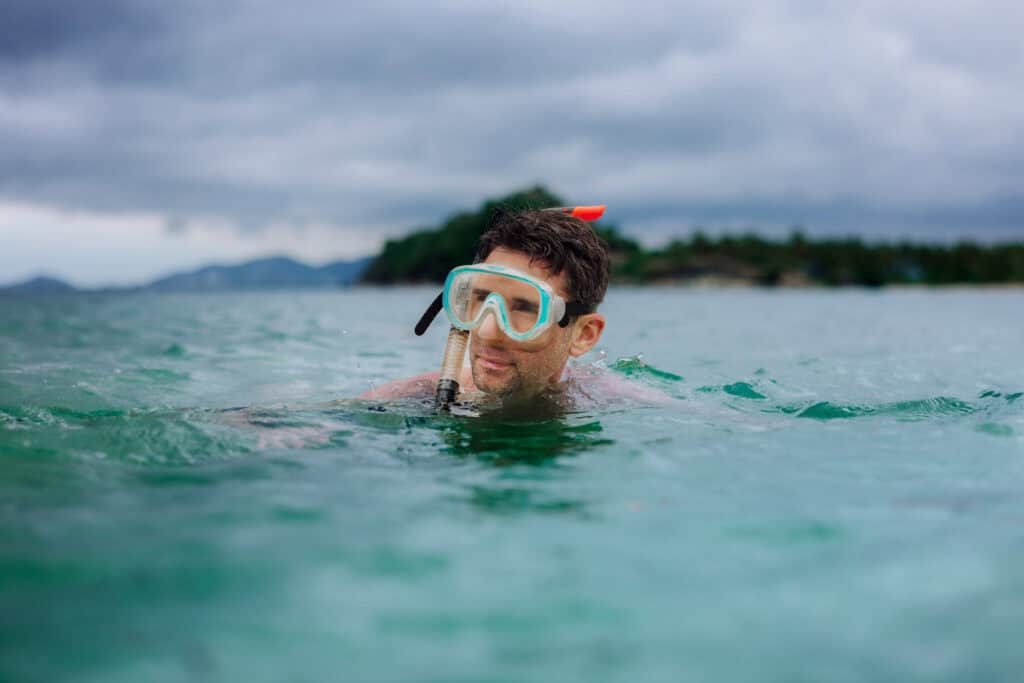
[{"x": 586, "y": 332}]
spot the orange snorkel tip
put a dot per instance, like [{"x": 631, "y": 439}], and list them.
[{"x": 584, "y": 213}]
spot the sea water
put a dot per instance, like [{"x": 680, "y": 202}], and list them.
[{"x": 834, "y": 492}]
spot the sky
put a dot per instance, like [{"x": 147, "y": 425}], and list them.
[{"x": 140, "y": 137}]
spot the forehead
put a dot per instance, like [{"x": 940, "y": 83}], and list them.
[{"x": 535, "y": 268}]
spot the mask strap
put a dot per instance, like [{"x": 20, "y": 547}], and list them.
[{"x": 573, "y": 309}]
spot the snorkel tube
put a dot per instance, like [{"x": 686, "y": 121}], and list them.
[
  {"x": 454, "y": 355},
  {"x": 451, "y": 366},
  {"x": 455, "y": 349}
]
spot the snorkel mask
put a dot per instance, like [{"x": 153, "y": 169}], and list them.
[{"x": 523, "y": 308}]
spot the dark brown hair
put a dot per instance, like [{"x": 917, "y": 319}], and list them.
[{"x": 562, "y": 242}]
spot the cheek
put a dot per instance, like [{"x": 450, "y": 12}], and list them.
[
  {"x": 547, "y": 354},
  {"x": 553, "y": 340}
]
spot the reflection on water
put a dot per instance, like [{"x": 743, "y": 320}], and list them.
[
  {"x": 513, "y": 444},
  {"x": 518, "y": 499},
  {"x": 505, "y": 441}
]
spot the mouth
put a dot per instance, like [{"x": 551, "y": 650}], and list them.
[{"x": 493, "y": 361}]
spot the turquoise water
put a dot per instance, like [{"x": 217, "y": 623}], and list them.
[{"x": 186, "y": 493}]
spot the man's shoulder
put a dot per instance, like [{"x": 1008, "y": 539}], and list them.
[
  {"x": 420, "y": 386},
  {"x": 603, "y": 384}
]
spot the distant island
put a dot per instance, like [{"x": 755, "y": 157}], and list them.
[
  {"x": 427, "y": 256},
  {"x": 278, "y": 272},
  {"x": 39, "y": 285}
]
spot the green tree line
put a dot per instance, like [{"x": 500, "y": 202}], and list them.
[{"x": 427, "y": 255}]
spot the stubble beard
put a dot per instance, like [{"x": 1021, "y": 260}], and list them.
[
  {"x": 512, "y": 382},
  {"x": 510, "y": 385}
]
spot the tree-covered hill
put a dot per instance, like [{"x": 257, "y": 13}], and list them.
[
  {"x": 829, "y": 262},
  {"x": 427, "y": 255}
]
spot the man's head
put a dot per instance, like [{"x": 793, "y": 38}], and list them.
[{"x": 564, "y": 252}]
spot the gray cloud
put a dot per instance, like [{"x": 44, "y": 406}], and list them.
[{"x": 870, "y": 119}]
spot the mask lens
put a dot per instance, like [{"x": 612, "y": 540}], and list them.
[
  {"x": 520, "y": 300},
  {"x": 459, "y": 299}
]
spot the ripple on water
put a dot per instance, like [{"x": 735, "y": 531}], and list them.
[
  {"x": 743, "y": 390},
  {"x": 174, "y": 350},
  {"x": 922, "y": 409},
  {"x": 155, "y": 437},
  {"x": 634, "y": 366},
  {"x": 995, "y": 429},
  {"x": 154, "y": 376}
]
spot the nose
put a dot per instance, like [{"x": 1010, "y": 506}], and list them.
[{"x": 488, "y": 329}]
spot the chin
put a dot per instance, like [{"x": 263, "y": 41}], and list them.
[{"x": 487, "y": 382}]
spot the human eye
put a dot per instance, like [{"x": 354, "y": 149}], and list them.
[{"x": 524, "y": 306}]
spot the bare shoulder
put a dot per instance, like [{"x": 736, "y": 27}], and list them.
[
  {"x": 601, "y": 384},
  {"x": 420, "y": 386}
]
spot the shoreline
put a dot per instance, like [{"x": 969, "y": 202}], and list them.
[{"x": 719, "y": 284}]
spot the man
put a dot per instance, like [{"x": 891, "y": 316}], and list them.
[{"x": 533, "y": 266}]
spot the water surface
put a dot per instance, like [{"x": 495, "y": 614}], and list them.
[{"x": 188, "y": 492}]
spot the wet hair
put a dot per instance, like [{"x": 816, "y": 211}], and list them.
[{"x": 564, "y": 243}]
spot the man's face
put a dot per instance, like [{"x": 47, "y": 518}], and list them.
[{"x": 504, "y": 366}]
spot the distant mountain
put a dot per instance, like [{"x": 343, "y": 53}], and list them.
[
  {"x": 269, "y": 273},
  {"x": 39, "y": 285},
  {"x": 277, "y": 272}
]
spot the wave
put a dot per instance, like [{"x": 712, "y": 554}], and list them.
[
  {"x": 755, "y": 396},
  {"x": 157, "y": 436}
]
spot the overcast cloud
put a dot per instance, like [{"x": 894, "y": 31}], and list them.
[{"x": 140, "y": 136}]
